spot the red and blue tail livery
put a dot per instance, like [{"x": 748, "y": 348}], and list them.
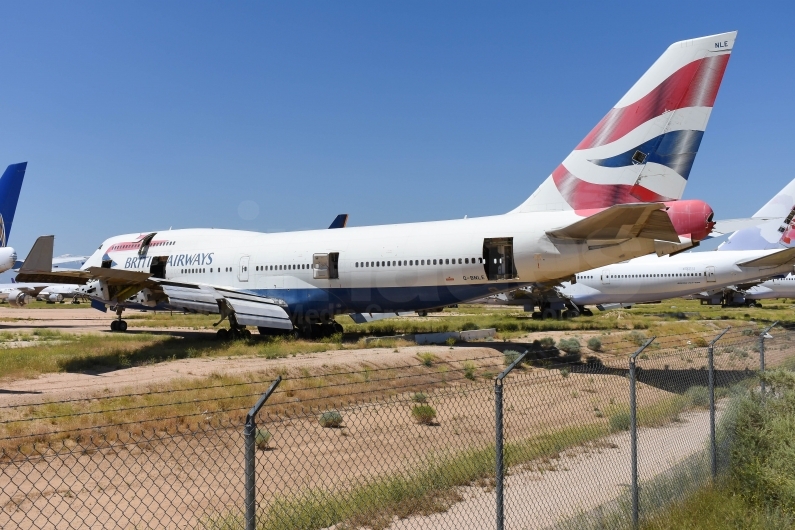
[{"x": 644, "y": 148}]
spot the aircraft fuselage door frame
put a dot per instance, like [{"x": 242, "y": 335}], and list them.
[
  {"x": 242, "y": 273},
  {"x": 710, "y": 274},
  {"x": 605, "y": 277}
]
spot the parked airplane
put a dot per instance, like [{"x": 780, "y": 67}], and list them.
[
  {"x": 21, "y": 294},
  {"x": 10, "y": 186},
  {"x": 588, "y": 213},
  {"x": 776, "y": 232},
  {"x": 750, "y": 255}
]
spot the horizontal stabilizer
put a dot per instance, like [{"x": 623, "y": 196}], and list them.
[
  {"x": 727, "y": 226},
  {"x": 776, "y": 259},
  {"x": 620, "y": 222}
]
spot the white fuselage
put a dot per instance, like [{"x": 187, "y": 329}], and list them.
[
  {"x": 380, "y": 268},
  {"x": 775, "y": 288},
  {"x": 652, "y": 278}
]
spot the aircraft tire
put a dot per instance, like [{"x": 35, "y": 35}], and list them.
[
  {"x": 114, "y": 325},
  {"x": 587, "y": 312},
  {"x": 122, "y": 325},
  {"x": 338, "y": 328},
  {"x": 246, "y": 334},
  {"x": 758, "y": 304},
  {"x": 547, "y": 313},
  {"x": 572, "y": 313},
  {"x": 222, "y": 334}
]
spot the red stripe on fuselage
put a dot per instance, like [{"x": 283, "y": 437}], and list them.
[{"x": 694, "y": 85}]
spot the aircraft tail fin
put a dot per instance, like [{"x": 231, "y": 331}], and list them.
[
  {"x": 10, "y": 186},
  {"x": 644, "y": 148},
  {"x": 773, "y": 227},
  {"x": 40, "y": 256}
]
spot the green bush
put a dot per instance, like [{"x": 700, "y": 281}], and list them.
[
  {"x": 698, "y": 396},
  {"x": 331, "y": 419},
  {"x": 565, "y": 372},
  {"x": 423, "y": 414},
  {"x": 547, "y": 342},
  {"x": 510, "y": 326},
  {"x": 469, "y": 326},
  {"x": 419, "y": 397},
  {"x": 427, "y": 358},
  {"x": 469, "y": 370},
  {"x": 570, "y": 346},
  {"x": 619, "y": 421},
  {"x": 700, "y": 342},
  {"x": 595, "y": 344},
  {"x": 638, "y": 337},
  {"x": 261, "y": 439},
  {"x": 509, "y": 356},
  {"x": 593, "y": 360}
]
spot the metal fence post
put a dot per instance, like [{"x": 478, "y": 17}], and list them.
[
  {"x": 713, "y": 442},
  {"x": 250, "y": 438},
  {"x": 762, "y": 355},
  {"x": 633, "y": 431},
  {"x": 498, "y": 446}
]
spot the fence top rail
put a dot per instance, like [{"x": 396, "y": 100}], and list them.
[
  {"x": 720, "y": 335},
  {"x": 640, "y": 350},
  {"x": 512, "y": 366}
]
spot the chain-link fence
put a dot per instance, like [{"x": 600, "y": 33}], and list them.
[{"x": 400, "y": 447}]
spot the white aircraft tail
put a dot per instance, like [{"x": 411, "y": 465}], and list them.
[
  {"x": 644, "y": 148},
  {"x": 773, "y": 226}
]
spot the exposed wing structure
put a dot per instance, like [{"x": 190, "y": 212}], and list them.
[{"x": 246, "y": 308}]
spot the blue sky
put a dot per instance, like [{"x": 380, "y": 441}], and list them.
[{"x": 278, "y": 116}]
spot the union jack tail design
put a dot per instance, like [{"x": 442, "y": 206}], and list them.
[{"x": 644, "y": 148}]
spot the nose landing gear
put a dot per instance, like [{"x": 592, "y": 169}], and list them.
[{"x": 118, "y": 325}]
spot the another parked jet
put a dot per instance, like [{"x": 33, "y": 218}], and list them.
[{"x": 588, "y": 213}]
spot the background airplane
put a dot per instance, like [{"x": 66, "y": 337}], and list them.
[{"x": 10, "y": 187}]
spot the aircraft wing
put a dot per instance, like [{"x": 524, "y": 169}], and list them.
[
  {"x": 620, "y": 222},
  {"x": 248, "y": 309},
  {"x": 776, "y": 259}
]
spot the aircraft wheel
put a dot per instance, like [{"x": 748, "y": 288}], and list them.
[
  {"x": 222, "y": 334},
  {"x": 572, "y": 313},
  {"x": 547, "y": 313},
  {"x": 114, "y": 326},
  {"x": 246, "y": 334},
  {"x": 422, "y": 313},
  {"x": 587, "y": 312},
  {"x": 536, "y": 315},
  {"x": 338, "y": 327},
  {"x": 122, "y": 325}
]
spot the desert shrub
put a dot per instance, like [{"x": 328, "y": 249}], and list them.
[
  {"x": 427, "y": 358},
  {"x": 700, "y": 342},
  {"x": 469, "y": 326},
  {"x": 547, "y": 342},
  {"x": 698, "y": 396},
  {"x": 619, "y": 421},
  {"x": 565, "y": 372},
  {"x": 419, "y": 397},
  {"x": 469, "y": 370},
  {"x": 450, "y": 341},
  {"x": 764, "y": 430},
  {"x": 569, "y": 346},
  {"x": 423, "y": 414},
  {"x": 510, "y": 356},
  {"x": 331, "y": 419},
  {"x": 261, "y": 439},
  {"x": 595, "y": 344},
  {"x": 638, "y": 337},
  {"x": 510, "y": 326}
]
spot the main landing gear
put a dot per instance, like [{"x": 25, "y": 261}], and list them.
[
  {"x": 233, "y": 333},
  {"x": 118, "y": 325},
  {"x": 315, "y": 330}
]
